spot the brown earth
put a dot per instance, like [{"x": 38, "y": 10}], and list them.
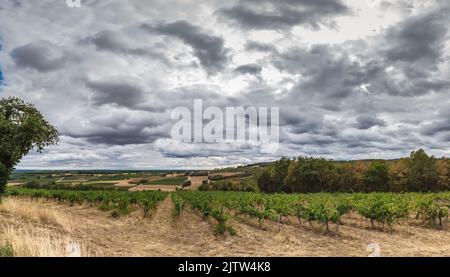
[
  {"x": 190, "y": 235},
  {"x": 196, "y": 181}
]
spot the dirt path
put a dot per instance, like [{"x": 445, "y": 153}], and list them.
[
  {"x": 190, "y": 235},
  {"x": 196, "y": 181}
]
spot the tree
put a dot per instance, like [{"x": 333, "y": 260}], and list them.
[
  {"x": 443, "y": 168},
  {"x": 377, "y": 177},
  {"x": 307, "y": 174},
  {"x": 279, "y": 172},
  {"x": 422, "y": 174},
  {"x": 397, "y": 176},
  {"x": 348, "y": 180},
  {"x": 265, "y": 181},
  {"x": 22, "y": 128}
]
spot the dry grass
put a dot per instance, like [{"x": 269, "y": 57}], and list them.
[
  {"x": 33, "y": 229},
  {"x": 190, "y": 235},
  {"x": 29, "y": 211},
  {"x": 28, "y": 241}
]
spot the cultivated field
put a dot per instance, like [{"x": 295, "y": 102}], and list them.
[
  {"x": 187, "y": 214},
  {"x": 44, "y": 228}
]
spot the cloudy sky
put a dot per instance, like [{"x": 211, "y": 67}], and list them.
[{"x": 353, "y": 78}]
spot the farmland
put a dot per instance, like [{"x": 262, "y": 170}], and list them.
[
  {"x": 100, "y": 180},
  {"x": 241, "y": 211},
  {"x": 187, "y": 224}
]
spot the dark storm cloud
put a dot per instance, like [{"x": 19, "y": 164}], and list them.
[
  {"x": 371, "y": 87},
  {"x": 402, "y": 62},
  {"x": 42, "y": 56},
  {"x": 259, "y": 46},
  {"x": 439, "y": 125},
  {"x": 114, "y": 42},
  {"x": 418, "y": 39},
  {"x": 209, "y": 49},
  {"x": 442, "y": 125},
  {"x": 115, "y": 92},
  {"x": 122, "y": 128},
  {"x": 125, "y": 136},
  {"x": 368, "y": 121},
  {"x": 327, "y": 72},
  {"x": 284, "y": 14},
  {"x": 415, "y": 48},
  {"x": 253, "y": 69}
]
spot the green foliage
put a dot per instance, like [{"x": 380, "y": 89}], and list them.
[
  {"x": 6, "y": 250},
  {"x": 377, "y": 177},
  {"x": 178, "y": 204},
  {"x": 179, "y": 180},
  {"x": 311, "y": 175},
  {"x": 383, "y": 208},
  {"x": 418, "y": 173},
  {"x": 431, "y": 211},
  {"x": 324, "y": 208},
  {"x": 22, "y": 128},
  {"x": 236, "y": 184},
  {"x": 118, "y": 202},
  {"x": 422, "y": 174}
]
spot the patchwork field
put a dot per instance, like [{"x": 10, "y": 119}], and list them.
[
  {"x": 190, "y": 214},
  {"x": 36, "y": 227}
]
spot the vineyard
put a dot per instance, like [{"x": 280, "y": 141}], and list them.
[
  {"x": 184, "y": 222},
  {"x": 119, "y": 202},
  {"x": 380, "y": 209}
]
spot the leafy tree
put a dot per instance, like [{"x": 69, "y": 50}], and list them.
[
  {"x": 422, "y": 174},
  {"x": 279, "y": 172},
  {"x": 377, "y": 177},
  {"x": 348, "y": 180},
  {"x": 443, "y": 168},
  {"x": 265, "y": 181},
  {"x": 311, "y": 175},
  {"x": 397, "y": 176},
  {"x": 22, "y": 128}
]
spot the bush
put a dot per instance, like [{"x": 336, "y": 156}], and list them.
[
  {"x": 377, "y": 177},
  {"x": 186, "y": 183},
  {"x": 6, "y": 250}
]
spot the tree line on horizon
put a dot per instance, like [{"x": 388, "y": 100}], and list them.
[{"x": 417, "y": 173}]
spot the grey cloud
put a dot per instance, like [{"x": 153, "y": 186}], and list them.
[
  {"x": 418, "y": 39},
  {"x": 114, "y": 42},
  {"x": 327, "y": 72},
  {"x": 439, "y": 125},
  {"x": 116, "y": 92},
  {"x": 209, "y": 49},
  {"x": 284, "y": 14},
  {"x": 42, "y": 56},
  {"x": 259, "y": 46},
  {"x": 329, "y": 95},
  {"x": 368, "y": 121},
  {"x": 116, "y": 127},
  {"x": 415, "y": 48},
  {"x": 252, "y": 69}
]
